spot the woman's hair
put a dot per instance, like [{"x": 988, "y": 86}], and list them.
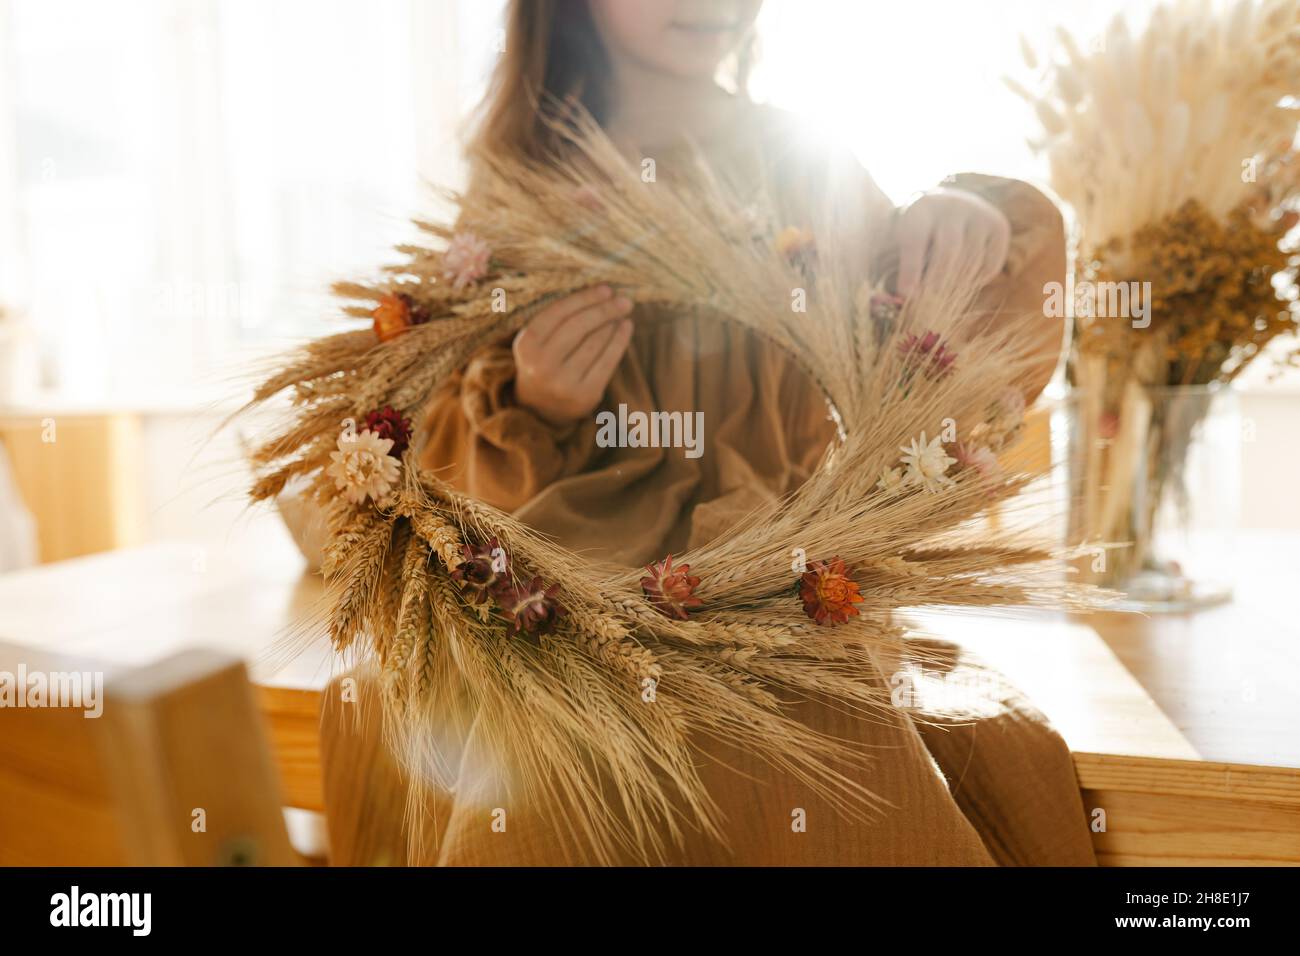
[{"x": 553, "y": 58}]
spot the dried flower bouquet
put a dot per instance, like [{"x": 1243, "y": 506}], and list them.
[{"x": 1176, "y": 150}]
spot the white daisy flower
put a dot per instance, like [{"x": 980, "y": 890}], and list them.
[
  {"x": 362, "y": 467},
  {"x": 927, "y": 464}
]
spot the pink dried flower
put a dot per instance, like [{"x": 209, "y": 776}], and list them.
[
  {"x": 467, "y": 259},
  {"x": 1010, "y": 404},
  {"x": 928, "y": 355},
  {"x": 671, "y": 589},
  {"x": 588, "y": 197},
  {"x": 976, "y": 457}
]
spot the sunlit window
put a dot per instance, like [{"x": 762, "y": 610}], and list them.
[
  {"x": 179, "y": 182},
  {"x": 188, "y": 177}
]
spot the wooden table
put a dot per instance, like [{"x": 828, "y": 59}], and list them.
[{"x": 1183, "y": 729}]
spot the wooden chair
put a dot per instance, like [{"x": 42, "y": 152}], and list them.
[{"x": 175, "y": 771}]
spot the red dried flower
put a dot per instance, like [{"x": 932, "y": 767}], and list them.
[
  {"x": 671, "y": 590},
  {"x": 485, "y": 568},
  {"x": 828, "y": 593},
  {"x": 530, "y": 608},
  {"x": 389, "y": 423},
  {"x": 928, "y": 355},
  {"x": 420, "y": 314}
]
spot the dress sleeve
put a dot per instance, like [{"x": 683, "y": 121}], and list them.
[{"x": 487, "y": 446}]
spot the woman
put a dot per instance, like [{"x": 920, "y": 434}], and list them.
[{"x": 517, "y": 428}]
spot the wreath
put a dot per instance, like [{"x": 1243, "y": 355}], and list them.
[{"x": 598, "y": 681}]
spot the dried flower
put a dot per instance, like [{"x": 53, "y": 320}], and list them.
[
  {"x": 798, "y": 246},
  {"x": 793, "y": 240},
  {"x": 828, "y": 593},
  {"x": 1108, "y": 425},
  {"x": 362, "y": 467},
  {"x": 976, "y": 457},
  {"x": 484, "y": 569},
  {"x": 671, "y": 590},
  {"x": 530, "y": 608},
  {"x": 891, "y": 481},
  {"x": 467, "y": 259},
  {"x": 885, "y": 307},
  {"x": 926, "y": 354},
  {"x": 927, "y": 464},
  {"x": 395, "y": 313},
  {"x": 1008, "y": 411},
  {"x": 387, "y": 422},
  {"x": 1213, "y": 302},
  {"x": 392, "y": 317},
  {"x": 588, "y": 197},
  {"x": 1160, "y": 212}
]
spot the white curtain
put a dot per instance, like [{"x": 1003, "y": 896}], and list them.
[{"x": 181, "y": 179}]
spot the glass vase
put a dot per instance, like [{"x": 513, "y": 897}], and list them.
[{"x": 1153, "y": 476}]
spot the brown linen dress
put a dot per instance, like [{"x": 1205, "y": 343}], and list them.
[{"x": 993, "y": 786}]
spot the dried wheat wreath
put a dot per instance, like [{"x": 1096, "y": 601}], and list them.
[{"x": 595, "y": 682}]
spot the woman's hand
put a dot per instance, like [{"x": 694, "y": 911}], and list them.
[
  {"x": 567, "y": 353},
  {"x": 948, "y": 228}
]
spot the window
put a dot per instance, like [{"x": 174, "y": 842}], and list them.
[
  {"x": 188, "y": 177},
  {"x": 181, "y": 180}
]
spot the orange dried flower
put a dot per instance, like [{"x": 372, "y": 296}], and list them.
[
  {"x": 793, "y": 240},
  {"x": 671, "y": 590},
  {"x": 392, "y": 317},
  {"x": 828, "y": 593},
  {"x": 798, "y": 246}
]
